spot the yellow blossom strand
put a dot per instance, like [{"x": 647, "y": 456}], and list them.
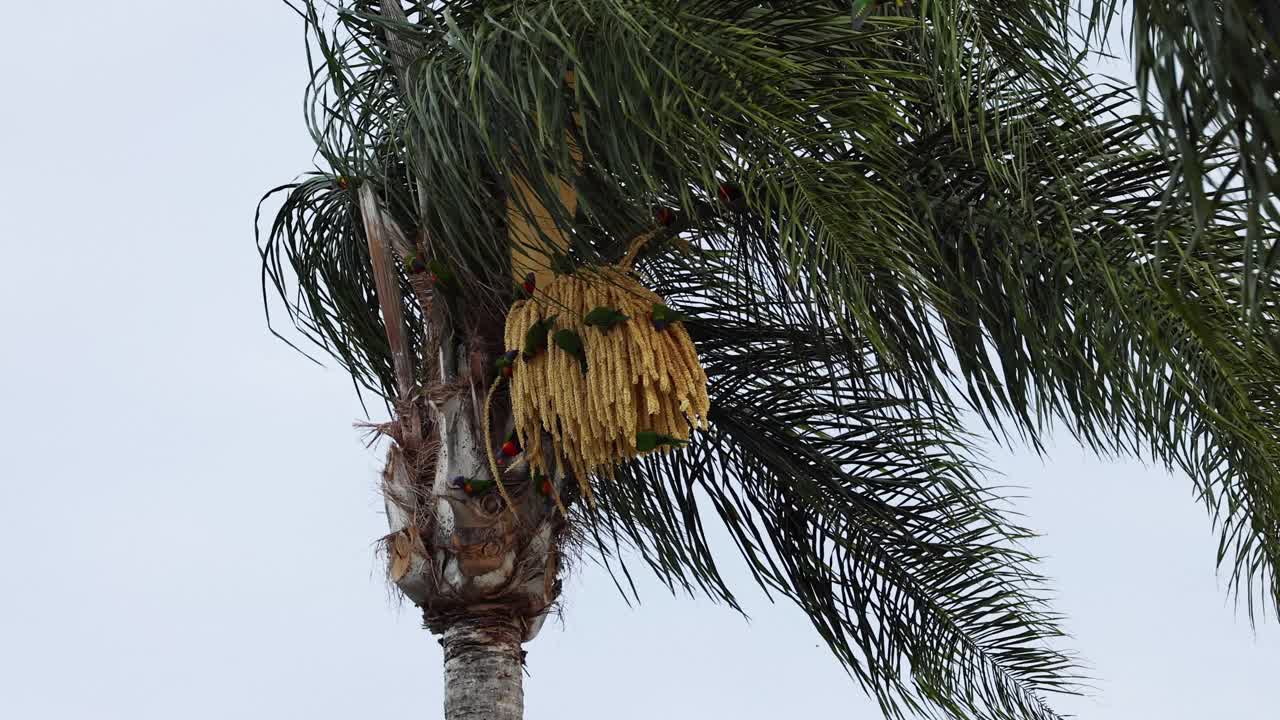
[
  {"x": 488, "y": 451},
  {"x": 638, "y": 378}
]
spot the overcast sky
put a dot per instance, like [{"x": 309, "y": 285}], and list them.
[{"x": 187, "y": 518}]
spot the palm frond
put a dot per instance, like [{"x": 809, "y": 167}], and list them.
[
  {"x": 316, "y": 262},
  {"x": 1210, "y": 72},
  {"x": 846, "y": 495},
  {"x": 1087, "y": 307}
]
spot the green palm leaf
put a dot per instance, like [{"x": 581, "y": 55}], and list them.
[{"x": 1209, "y": 72}]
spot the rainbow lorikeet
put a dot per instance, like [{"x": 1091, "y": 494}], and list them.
[
  {"x": 543, "y": 482},
  {"x": 443, "y": 278},
  {"x": 663, "y": 316},
  {"x": 604, "y": 318},
  {"x": 478, "y": 486},
  {"x": 535, "y": 338},
  {"x": 570, "y": 342},
  {"x": 731, "y": 197},
  {"x": 506, "y": 363},
  {"x": 414, "y": 264},
  {"x": 647, "y": 440},
  {"x": 525, "y": 289},
  {"x": 664, "y": 216},
  {"x": 511, "y": 447}
]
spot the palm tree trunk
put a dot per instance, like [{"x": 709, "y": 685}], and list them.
[
  {"x": 484, "y": 570},
  {"x": 482, "y": 670}
]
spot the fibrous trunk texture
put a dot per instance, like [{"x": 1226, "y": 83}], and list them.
[
  {"x": 481, "y": 560},
  {"x": 482, "y": 670}
]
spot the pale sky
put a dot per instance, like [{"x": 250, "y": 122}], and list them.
[{"x": 187, "y": 518}]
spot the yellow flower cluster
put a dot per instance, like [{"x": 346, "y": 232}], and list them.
[{"x": 638, "y": 378}]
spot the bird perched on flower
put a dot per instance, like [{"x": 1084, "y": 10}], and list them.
[
  {"x": 604, "y": 318},
  {"x": 570, "y": 342},
  {"x": 647, "y": 440},
  {"x": 506, "y": 363},
  {"x": 535, "y": 339},
  {"x": 663, "y": 316}
]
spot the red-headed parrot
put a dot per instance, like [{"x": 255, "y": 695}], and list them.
[
  {"x": 414, "y": 264},
  {"x": 731, "y": 197},
  {"x": 511, "y": 447},
  {"x": 506, "y": 363},
  {"x": 443, "y": 278}
]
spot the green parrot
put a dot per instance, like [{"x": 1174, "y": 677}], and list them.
[
  {"x": 604, "y": 318},
  {"x": 542, "y": 483},
  {"x": 663, "y": 316},
  {"x": 535, "y": 339},
  {"x": 647, "y": 440},
  {"x": 478, "y": 486},
  {"x": 472, "y": 486},
  {"x": 443, "y": 278},
  {"x": 570, "y": 342},
  {"x": 414, "y": 263},
  {"x": 506, "y": 363}
]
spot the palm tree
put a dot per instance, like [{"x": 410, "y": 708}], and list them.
[{"x": 875, "y": 225}]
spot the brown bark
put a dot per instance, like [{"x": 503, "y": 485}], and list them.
[{"x": 482, "y": 669}]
